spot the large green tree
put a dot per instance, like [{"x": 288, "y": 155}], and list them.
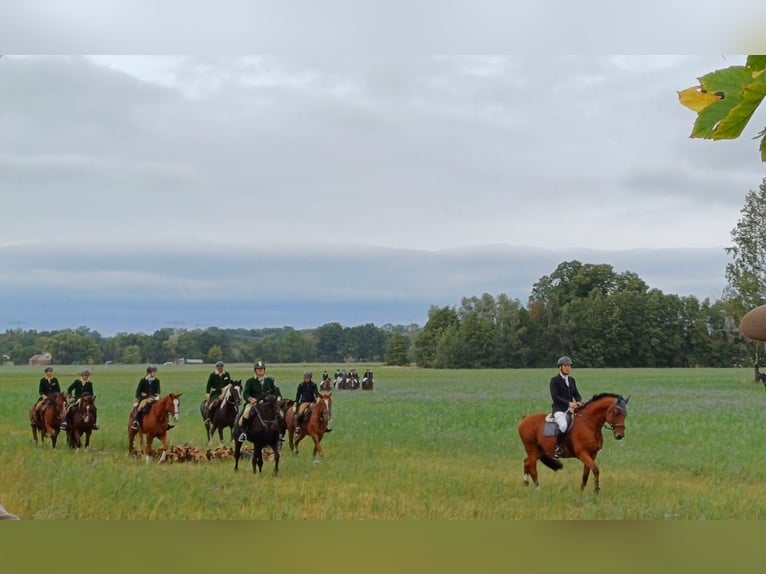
[{"x": 746, "y": 272}]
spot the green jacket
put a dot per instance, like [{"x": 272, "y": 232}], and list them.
[
  {"x": 47, "y": 387},
  {"x": 216, "y": 382},
  {"x": 78, "y": 388},
  {"x": 147, "y": 388},
  {"x": 256, "y": 389}
]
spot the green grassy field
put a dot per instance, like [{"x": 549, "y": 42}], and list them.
[{"x": 425, "y": 444}]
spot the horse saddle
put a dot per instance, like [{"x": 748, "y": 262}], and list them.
[{"x": 551, "y": 427}]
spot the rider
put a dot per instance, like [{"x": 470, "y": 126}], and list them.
[
  {"x": 147, "y": 391},
  {"x": 256, "y": 389},
  {"x": 217, "y": 380},
  {"x": 306, "y": 394},
  {"x": 565, "y": 398},
  {"x": 48, "y": 385},
  {"x": 78, "y": 388}
]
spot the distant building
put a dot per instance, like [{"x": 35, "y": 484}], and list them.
[{"x": 42, "y": 359}]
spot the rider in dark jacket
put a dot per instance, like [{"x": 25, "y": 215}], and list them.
[{"x": 565, "y": 397}]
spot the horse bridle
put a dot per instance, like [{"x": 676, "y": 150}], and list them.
[{"x": 611, "y": 426}]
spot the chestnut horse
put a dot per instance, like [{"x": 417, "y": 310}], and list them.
[
  {"x": 155, "y": 423},
  {"x": 225, "y": 414},
  {"x": 264, "y": 427},
  {"x": 83, "y": 419},
  {"x": 315, "y": 420},
  {"x": 50, "y": 420},
  {"x": 583, "y": 440}
]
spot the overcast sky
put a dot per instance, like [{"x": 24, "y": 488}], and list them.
[{"x": 162, "y": 158}]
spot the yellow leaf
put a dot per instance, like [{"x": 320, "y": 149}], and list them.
[{"x": 697, "y": 99}]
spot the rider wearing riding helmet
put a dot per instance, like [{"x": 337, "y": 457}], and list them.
[
  {"x": 147, "y": 391},
  {"x": 216, "y": 382},
  {"x": 565, "y": 398}
]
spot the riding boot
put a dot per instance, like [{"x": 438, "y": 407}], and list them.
[
  {"x": 557, "y": 452},
  {"x": 137, "y": 420}
]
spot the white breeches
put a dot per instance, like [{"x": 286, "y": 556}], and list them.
[{"x": 561, "y": 420}]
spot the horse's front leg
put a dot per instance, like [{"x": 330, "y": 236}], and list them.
[
  {"x": 87, "y": 439},
  {"x": 276, "y": 460},
  {"x": 317, "y": 448},
  {"x": 589, "y": 464}
]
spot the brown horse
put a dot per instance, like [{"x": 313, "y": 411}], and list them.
[
  {"x": 225, "y": 413},
  {"x": 314, "y": 423},
  {"x": 83, "y": 419},
  {"x": 50, "y": 420},
  {"x": 155, "y": 423},
  {"x": 325, "y": 385},
  {"x": 583, "y": 441}
]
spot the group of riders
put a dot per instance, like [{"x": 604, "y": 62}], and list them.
[
  {"x": 257, "y": 389},
  {"x": 346, "y": 380},
  {"x": 49, "y": 386},
  {"x": 563, "y": 390}
]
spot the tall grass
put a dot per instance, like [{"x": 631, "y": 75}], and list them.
[{"x": 425, "y": 444}]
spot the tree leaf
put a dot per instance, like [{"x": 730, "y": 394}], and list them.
[
  {"x": 697, "y": 100},
  {"x": 756, "y": 62},
  {"x": 742, "y": 89}
]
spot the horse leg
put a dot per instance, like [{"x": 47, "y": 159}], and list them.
[
  {"x": 237, "y": 452},
  {"x": 87, "y": 438},
  {"x": 257, "y": 458},
  {"x": 589, "y": 464},
  {"x": 297, "y": 440},
  {"x": 317, "y": 448},
  {"x": 276, "y": 458},
  {"x": 530, "y": 469}
]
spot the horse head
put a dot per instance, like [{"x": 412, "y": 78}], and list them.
[
  {"x": 233, "y": 393},
  {"x": 615, "y": 417},
  {"x": 87, "y": 407},
  {"x": 325, "y": 407},
  {"x": 174, "y": 405}
]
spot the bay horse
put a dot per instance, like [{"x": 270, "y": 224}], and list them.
[
  {"x": 155, "y": 423},
  {"x": 316, "y": 418},
  {"x": 225, "y": 414},
  {"x": 49, "y": 422},
  {"x": 583, "y": 440},
  {"x": 367, "y": 383},
  {"x": 263, "y": 427},
  {"x": 325, "y": 385},
  {"x": 83, "y": 419}
]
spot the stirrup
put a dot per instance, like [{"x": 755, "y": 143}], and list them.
[
  {"x": 242, "y": 437},
  {"x": 134, "y": 425}
]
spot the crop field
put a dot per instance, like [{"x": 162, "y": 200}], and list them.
[{"x": 424, "y": 444}]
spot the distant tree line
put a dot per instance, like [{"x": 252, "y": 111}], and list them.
[
  {"x": 330, "y": 343},
  {"x": 599, "y": 317},
  {"x": 588, "y": 311}
]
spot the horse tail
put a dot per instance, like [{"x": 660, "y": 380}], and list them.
[{"x": 552, "y": 463}]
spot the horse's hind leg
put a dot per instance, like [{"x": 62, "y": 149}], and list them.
[{"x": 530, "y": 470}]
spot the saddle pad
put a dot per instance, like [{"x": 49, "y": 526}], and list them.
[{"x": 549, "y": 429}]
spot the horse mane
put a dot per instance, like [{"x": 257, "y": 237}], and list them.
[{"x": 600, "y": 396}]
